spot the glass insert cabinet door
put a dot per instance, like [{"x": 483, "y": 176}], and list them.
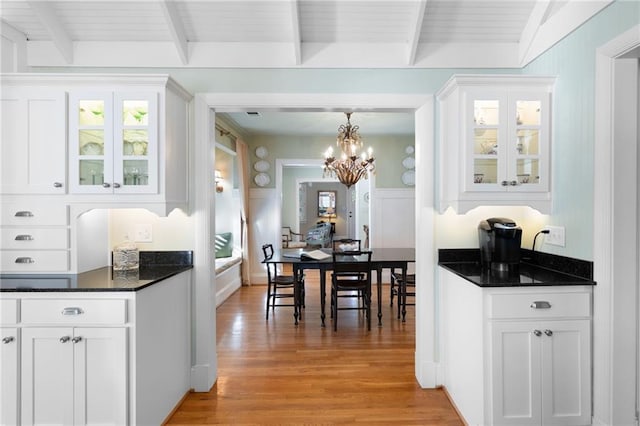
[
  {"x": 113, "y": 142},
  {"x": 507, "y": 148}
]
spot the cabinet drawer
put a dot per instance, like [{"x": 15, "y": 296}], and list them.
[
  {"x": 73, "y": 311},
  {"x": 549, "y": 305},
  {"x": 34, "y": 260},
  {"x": 34, "y": 214},
  {"x": 29, "y": 238},
  {"x": 8, "y": 311}
]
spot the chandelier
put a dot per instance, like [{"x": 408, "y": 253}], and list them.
[{"x": 350, "y": 168}]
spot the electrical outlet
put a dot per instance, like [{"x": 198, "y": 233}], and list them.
[
  {"x": 143, "y": 233},
  {"x": 555, "y": 236}
]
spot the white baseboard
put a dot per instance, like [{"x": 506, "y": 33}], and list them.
[
  {"x": 200, "y": 381},
  {"x": 428, "y": 373},
  {"x": 227, "y": 283}
]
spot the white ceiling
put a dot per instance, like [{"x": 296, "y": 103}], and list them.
[{"x": 290, "y": 33}]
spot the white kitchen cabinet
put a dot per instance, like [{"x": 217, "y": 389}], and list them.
[
  {"x": 74, "y": 376},
  {"x": 540, "y": 373},
  {"x": 98, "y": 357},
  {"x": 33, "y": 140},
  {"x": 9, "y": 366},
  {"x": 494, "y": 145},
  {"x": 129, "y": 142},
  {"x": 34, "y": 236},
  {"x": 113, "y": 142},
  {"x": 508, "y": 363}
]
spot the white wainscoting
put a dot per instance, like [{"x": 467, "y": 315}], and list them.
[{"x": 393, "y": 218}]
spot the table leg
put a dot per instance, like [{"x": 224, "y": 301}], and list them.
[
  {"x": 323, "y": 293},
  {"x": 404, "y": 293},
  {"x": 379, "y": 297},
  {"x": 296, "y": 294}
]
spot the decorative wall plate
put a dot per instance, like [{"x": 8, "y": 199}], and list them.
[
  {"x": 261, "y": 166},
  {"x": 409, "y": 163},
  {"x": 261, "y": 152},
  {"x": 409, "y": 178},
  {"x": 262, "y": 179},
  {"x": 409, "y": 150}
]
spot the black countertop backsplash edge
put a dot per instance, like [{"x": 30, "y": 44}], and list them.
[{"x": 567, "y": 265}]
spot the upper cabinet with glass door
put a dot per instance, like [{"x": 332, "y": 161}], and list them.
[
  {"x": 494, "y": 141},
  {"x": 113, "y": 142}
]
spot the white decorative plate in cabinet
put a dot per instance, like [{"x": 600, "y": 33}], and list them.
[
  {"x": 261, "y": 152},
  {"x": 91, "y": 148},
  {"x": 261, "y": 166},
  {"x": 409, "y": 163},
  {"x": 409, "y": 178},
  {"x": 262, "y": 179},
  {"x": 409, "y": 150}
]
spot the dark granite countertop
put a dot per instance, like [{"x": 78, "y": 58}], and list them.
[
  {"x": 535, "y": 269},
  {"x": 104, "y": 279}
]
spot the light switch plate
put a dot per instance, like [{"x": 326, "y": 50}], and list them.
[
  {"x": 143, "y": 233},
  {"x": 555, "y": 236}
]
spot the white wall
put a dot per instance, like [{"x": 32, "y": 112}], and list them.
[{"x": 174, "y": 232}]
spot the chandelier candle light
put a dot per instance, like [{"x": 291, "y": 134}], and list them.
[{"x": 350, "y": 168}]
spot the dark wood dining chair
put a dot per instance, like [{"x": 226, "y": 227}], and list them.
[
  {"x": 351, "y": 275},
  {"x": 397, "y": 291},
  {"x": 281, "y": 288}
]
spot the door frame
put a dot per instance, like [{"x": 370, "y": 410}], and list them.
[
  {"x": 204, "y": 370},
  {"x": 615, "y": 239}
]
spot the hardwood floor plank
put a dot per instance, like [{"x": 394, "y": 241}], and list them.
[{"x": 272, "y": 372}]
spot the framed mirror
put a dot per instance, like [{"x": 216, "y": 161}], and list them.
[{"x": 327, "y": 204}]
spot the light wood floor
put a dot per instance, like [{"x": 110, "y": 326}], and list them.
[{"x": 272, "y": 372}]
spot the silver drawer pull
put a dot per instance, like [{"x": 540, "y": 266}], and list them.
[
  {"x": 25, "y": 260},
  {"x": 57, "y": 184},
  {"x": 72, "y": 311},
  {"x": 537, "y": 333},
  {"x": 541, "y": 305},
  {"x": 8, "y": 339},
  {"x": 24, "y": 237},
  {"x": 106, "y": 185},
  {"x": 65, "y": 339},
  {"x": 116, "y": 185},
  {"x": 548, "y": 332},
  {"x": 76, "y": 339},
  {"x": 23, "y": 213}
]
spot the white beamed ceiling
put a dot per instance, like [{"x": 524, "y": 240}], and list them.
[{"x": 290, "y": 33}]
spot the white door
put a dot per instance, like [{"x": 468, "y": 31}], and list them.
[
  {"x": 515, "y": 373},
  {"x": 33, "y": 141},
  {"x": 9, "y": 369},
  {"x": 47, "y": 376},
  {"x": 566, "y": 369},
  {"x": 100, "y": 376}
]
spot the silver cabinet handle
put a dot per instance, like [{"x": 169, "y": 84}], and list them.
[
  {"x": 513, "y": 183},
  {"x": 106, "y": 185},
  {"x": 72, "y": 311},
  {"x": 537, "y": 333},
  {"x": 116, "y": 185},
  {"x": 24, "y": 237},
  {"x": 541, "y": 304},
  {"x": 8, "y": 339},
  {"x": 25, "y": 260},
  {"x": 23, "y": 213},
  {"x": 65, "y": 339},
  {"x": 548, "y": 332},
  {"x": 504, "y": 183},
  {"x": 76, "y": 339},
  {"x": 57, "y": 184}
]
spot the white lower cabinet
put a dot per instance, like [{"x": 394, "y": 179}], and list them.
[
  {"x": 74, "y": 375},
  {"x": 9, "y": 366},
  {"x": 541, "y": 372},
  {"x": 517, "y": 356}
]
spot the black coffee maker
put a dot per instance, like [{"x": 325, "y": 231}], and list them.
[{"x": 500, "y": 240}]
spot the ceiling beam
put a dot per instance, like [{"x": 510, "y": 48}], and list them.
[
  {"x": 56, "y": 30},
  {"x": 415, "y": 29},
  {"x": 539, "y": 14},
  {"x": 176, "y": 29},
  {"x": 295, "y": 33}
]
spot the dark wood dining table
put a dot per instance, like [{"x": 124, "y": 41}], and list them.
[{"x": 381, "y": 258}]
